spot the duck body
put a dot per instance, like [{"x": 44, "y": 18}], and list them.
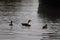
[
  {"x": 25, "y": 24},
  {"x": 10, "y": 24},
  {"x": 45, "y": 27}
]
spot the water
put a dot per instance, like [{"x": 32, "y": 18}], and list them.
[{"x": 23, "y": 11}]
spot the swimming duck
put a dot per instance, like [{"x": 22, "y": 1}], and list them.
[
  {"x": 26, "y": 24},
  {"x": 45, "y": 26},
  {"x": 11, "y": 23}
]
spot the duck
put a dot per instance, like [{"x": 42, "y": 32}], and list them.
[
  {"x": 27, "y": 24},
  {"x": 44, "y": 27},
  {"x": 11, "y": 23}
]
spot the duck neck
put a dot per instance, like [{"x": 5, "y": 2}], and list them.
[{"x": 28, "y": 22}]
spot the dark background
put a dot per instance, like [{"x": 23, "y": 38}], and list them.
[{"x": 49, "y": 8}]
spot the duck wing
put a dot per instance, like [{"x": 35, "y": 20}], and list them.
[{"x": 25, "y": 24}]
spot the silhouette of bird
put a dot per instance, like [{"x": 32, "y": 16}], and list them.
[
  {"x": 44, "y": 27},
  {"x": 11, "y": 23},
  {"x": 27, "y": 24}
]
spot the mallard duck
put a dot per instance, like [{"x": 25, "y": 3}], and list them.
[
  {"x": 45, "y": 26},
  {"x": 26, "y": 24}
]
